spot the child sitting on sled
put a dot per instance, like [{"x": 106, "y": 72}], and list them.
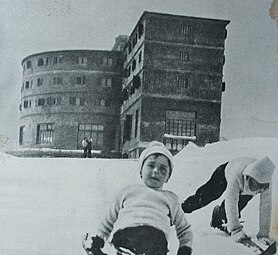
[{"x": 140, "y": 217}]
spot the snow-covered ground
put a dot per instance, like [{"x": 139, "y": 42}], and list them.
[{"x": 46, "y": 205}]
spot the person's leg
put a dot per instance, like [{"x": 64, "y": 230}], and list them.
[
  {"x": 141, "y": 240},
  {"x": 85, "y": 153},
  {"x": 208, "y": 192}
]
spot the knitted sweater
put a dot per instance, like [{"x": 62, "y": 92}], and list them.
[
  {"x": 236, "y": 186},
  {"x": 139, "y": 205}
]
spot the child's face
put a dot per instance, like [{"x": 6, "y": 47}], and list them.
[{"x": 155, "y": 171}]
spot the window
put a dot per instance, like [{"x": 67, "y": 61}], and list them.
[
  {"x": 57, "y": 80},
  {"x": 127, "y": 128},
  {"x": 128, "y": 71},
  {"x": 140, "y": 57},
  {"x": 80, "y": 79},
  {"x": 136, "y": 122},
  {"x": 58, "y": 100},
  {"x": 59, "y": 59},
  {"x": 82, "y": 60},
  {"x": 51, "y": 100},
  {"x": 183, "y": 82},
  {"x": 41, "y": 101},
  {"x": 106, "y": 82},
  {"x": 136, "y": 81},
  {"x": 184, "y": 56},
  {"x": 77, "y": 101},
  {"x": 40, "y": 62},
  {"x": 25, "y": 103},
  {"x": 28, "y": 65},
  {"x": 186, "y": 30},
  {"x": 140, "y": 29},
  {"x": 182, "y": 125},
  {"x": 134, "y": 41},
  {"x": 93, "y": 131},
  {"x": 27, "y": 84},
  {"x": 133, "y": 64},
  {"x": 39, "y": 82},
  {"x": 107, "y": 61},
  {"x": 21, "y": 135},
  {"x": 110, "y": 62},
  {"x": 45, "y": 133},
  {"x": 129, "y": 47}
]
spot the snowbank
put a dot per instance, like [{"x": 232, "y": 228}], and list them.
[{"x": 47, "y": 204}]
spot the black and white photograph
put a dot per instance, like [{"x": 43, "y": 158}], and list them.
[{"x": 138, "y": 127}]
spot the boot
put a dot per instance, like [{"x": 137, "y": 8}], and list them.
[{"x": 218, "y": 218}]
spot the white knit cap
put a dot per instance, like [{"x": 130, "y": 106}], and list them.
[
  {"x": 153, "y": 148},
  {"x": 261, "y": 170}
]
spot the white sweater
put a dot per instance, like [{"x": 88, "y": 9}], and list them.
[
  {"x": 139, "y": 205},
  {"x": 234, "y": 173}
]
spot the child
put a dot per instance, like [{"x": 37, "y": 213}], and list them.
[
  {"x": 141, "y": 215},
  {"x": 241, "y": 179}
]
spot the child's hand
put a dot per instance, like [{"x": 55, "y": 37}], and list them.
[
  {"x": 92, "y": 244},
  {"x": 185, "y": 250}
]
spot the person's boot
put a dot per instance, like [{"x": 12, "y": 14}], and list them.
[{"x": 218, "y": 218}]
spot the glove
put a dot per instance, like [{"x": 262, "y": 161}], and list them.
[
  {"x": 93, "y": 244},
  {"x": 239, "y": 236},
  {"x": 184, "y": 250}
]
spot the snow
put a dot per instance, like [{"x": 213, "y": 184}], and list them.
[{"x": 48, "y": 204}]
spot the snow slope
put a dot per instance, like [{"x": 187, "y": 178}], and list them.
[{"x": 47, "y": 204}]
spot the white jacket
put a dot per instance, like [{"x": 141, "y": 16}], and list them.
[{"x": 236, "y": 186}]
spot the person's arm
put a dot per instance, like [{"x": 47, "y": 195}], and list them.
[
  {"x": 265, "y": 212},
  {"x": 183, "y": 230},
  {"x": 231, "y": 207},
  {"x": 106, "y": 225}
]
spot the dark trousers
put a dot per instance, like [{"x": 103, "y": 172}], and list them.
[
  {"x": 85, "y": 153},
  {"x": 141, "y": 240},
  {"x": 212, "y": 190},
  {"x": 89, "y": 153}
]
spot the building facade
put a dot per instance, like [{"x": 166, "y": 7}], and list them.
[
  {"x": 173, "y": 84},
  {"x": 69, "y": 95},
  {"x": 164, "y": 82}
]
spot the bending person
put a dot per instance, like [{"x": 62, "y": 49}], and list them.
[{"x": 241, "y": 179}]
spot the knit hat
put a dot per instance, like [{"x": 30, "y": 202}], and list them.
[
  {"x": 261, "y": 170},
  {"x": 153, "y": 148}
]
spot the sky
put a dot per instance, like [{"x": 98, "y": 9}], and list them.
[
  {"x": 250, "y": 71},
  {"x": 48, "y": 204}
]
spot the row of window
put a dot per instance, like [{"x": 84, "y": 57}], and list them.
[
  {"x": 80, "y": 60},
  {"x": 79, "y": 80},
  {"x": 131, "y": 67},
  {"x": 177, "y": 123},
  {"x": 45, "y": 134},
  {"x": 134, "y": 39},
  {"x": 73, "y": 100}
]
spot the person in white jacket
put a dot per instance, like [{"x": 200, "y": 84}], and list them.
[{"x": 241, "y": 179}]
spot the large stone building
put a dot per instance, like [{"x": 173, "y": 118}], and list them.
[
  {"x": 173, "y": 83},
  {"x": 164, "y": 82},
  {"x": 68, "y": 95}
]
